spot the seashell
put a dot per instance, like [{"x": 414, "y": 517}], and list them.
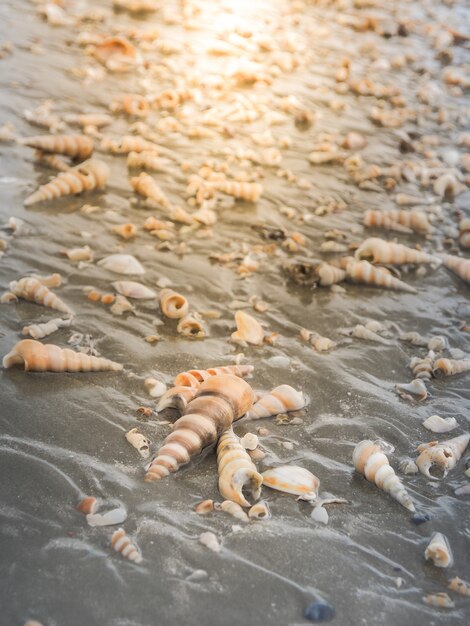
[
  {"x": 399, "y": 220},
  {"x": 445, "y": 455},
  {"x": 131, "y": 289},
  {"x": 319, "y": 514},
  {"x": 380, "y": 251},
  {"x": 251, "y": 192},
  {"x": 116, "y": 53},
  {"x": 76, "y": 146},
  {"x": 8, "y": 297},
  {"x": 155, "y": 387},
  {"x": 422, "y": 368},
  {"x": 193, "y": 378},
  {"x": 126, "y": 231},
  {"x": 219, "y": 401},
  {"x": 260, "y": 510},
  {"x": 76, "y": 255},
  {"x": 408, "y": 466},
  {"x": 33, "y": 290},
  {"x": 37, "y": 357},
  {"x": 362, "y": 332},
  {"x": 458, "y": 266},
  {"x": 318, "y": 343},
  {"x": 323, "y": 158},
  {"x": 354, "y": 141},
  {"x": 292, "y": 479},
  {"x": 177, "y": 397},
  {"x": 121, "y": 543},
  {"x": 416, "y": 388},
  {"x": 39, "y": 331},
  {"x": 173, "y": 304},
  {"x": 447, "y": 186},
  {"x": 234, "y": 509},
  {"x": 146, "y": 159},
  {"x": 329, "y": 275},
  {"x": 333, "y": 246},
  {"x": 122, "y": 264},
  {"x": 33, "y": 622},
  {"x": 281, "y": 399},
  {"x": 91, "y": 174},
  {"x": 459, "y": 586},
  {"x": 437, "y": 343},
  {"x": 364, "y": 272},
  {"x": 204, "y": 507},
  {"x": 131, "y": 104},
  {"x": 249, "y": 330},
  {"x": 237, "y": 472},
  {"x": 89, "y": 120},
  {"x": 249, "y": 441},
  {"x": 209, "y": 540},
  {"x": 191, "y": 326},
  {"x": 121, "y": 305},
  {"x": 440, "y": 425},
  {"x": 126, "y": 144},
  {"x": 52, "y": 161},
  {"x": 53, "y": 280},
  {"x": 114, "y": 516},
  {"x": 148, "y": 188},
  {"x": 371, "y": 462},
  {"x": 414, "y": 338},
  {"x": 87, "y": 505},
  {"x": 438, "y": 551},
  {"x": 441, "y": 599},
  {"x": 450, "y": 367},
  {"x": 320, "y": 611},
  {"x": 140, "y": 443}
]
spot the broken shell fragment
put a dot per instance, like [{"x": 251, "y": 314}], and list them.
[
  {"x": 115, "y": 516},
  {"x": 438, "y": 551},
  {"x": 234, "y": 509},
  {"x": 249, "y": 330},
  {"x": 121, "y": 543},
  {"x": 249, "y": 441},
  {"x": 441, "y": 600},
  {"x": 280, "y": 400},
  {"x": 444, "y": 455},
  {"x": 204, "y": 507},
  {"x": 260, "y": 510},
  {"x": 450, "y": 367},
  {"x": 122, "y": 264},
  {"x": 292, "y": 479},
  {"x": 39, "y": 331},
  {"x": 173, "y": 304},
  {"x": 416, "y": 390},
  {"x": 440, "y": 425},
  {"x": 177, "y": 397},
  {"x": 210, "y": 540},
  {"x": 319, "y": 514},
  {"x": 139, "y": 441},
  {"x": 191, "y": 326},
  {"x": 459, "y": 586},
  {"x": 87, "y": 505}
]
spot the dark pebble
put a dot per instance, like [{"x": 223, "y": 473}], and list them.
[
  {"x": 420, "y": 518},
  {"x": 320, "y": 611}
]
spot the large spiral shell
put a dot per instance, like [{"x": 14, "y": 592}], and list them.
[
  {"x": 280, "y": 400},
  {"x": 33, "y": 290},
  {"x": 38, "y": 357},
  {"x": 364, "y": 272},
  {"x": 237, "y": 472},
  {"x": 399, "y": 220},
  {"x": 450, "y": 367},
  {"x": 173, "y": 304},
  {"x": 381, "y": 251},
  {"x": 457, "y": 265},
  {"x": 371, "y": 462},
  {"x": 148, "y": 188},
  {"x": 220, "y": 400},
  {"x": 193, "y": 378},
  {"x": 445, "y": 455},
  {"x": 91, "y": 174},
  {"x": 75, "y": 146}
]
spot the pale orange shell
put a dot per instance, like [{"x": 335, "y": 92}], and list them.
[
  {"x": 147, "y": 187},
  {"x": 121, "y": 543},
  {"x": 193, "y": 378},
  {"x": 34, "y": 290},
  {"x": 381, "y": 251},
  {"x": 237, "y": 472},
  {"x": 249, "y": 330},
  {"x": 292, "y": 479},
  {"x": 282, "y": 399},
  {"x": 173, "y": 304},
  {"x": 76, "y": 146}
]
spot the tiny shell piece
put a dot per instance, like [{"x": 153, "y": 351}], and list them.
[
  {"x": 292, "y": 479},
  {"x": 441, "y": 600},
  {"x": 438, "y": 551},
  {"x": 121, "y": 543},
  {"x": 249, "y": 330},
  {"x": 87, "y": 505},
  {"x": 204, "y": 507},
  {"x": 249, "y": 441},
  {"x": 440, "y": 425},
  {"x": 209, "y": 540},
  {"x": 319, "y": 514},
  {"x": 260, "y": 510},
  {"x": 140, "y": 443},
  {"x": 115, "y": 516},
  {"x": 460, "y": 586},
  {"x": 234, "y": 509},
  {"x": 122, "y": 264}
]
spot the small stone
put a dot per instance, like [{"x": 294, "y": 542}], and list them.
[
  {"x": 420, "y": 518},
  {"x": 320, "y": 611}
]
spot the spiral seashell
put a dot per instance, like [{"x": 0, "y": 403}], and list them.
[
  {"x": 234, "y": 509},
  {"x": 173, "y": 304},
  {"x": 126, "y": 231},
  {"x": 371, "y": 462},
  {"x": 33, "y": 290},
  {"x": 251, "y": 192},
  {"x": 147, "y": 159},
  {"x": 364, "y": 272},
  {"x": 440, "y": 599},
  {"x": 438, "y": 551},
  {"x": 121, "y": 543},
  {"x": 440, "y": 425},
  {"x": 249, "y": 330},
  {"x": 413, "y": 337},
  {"x": 89, "y": 120},
  {"x": 177, "y": 397},
  {"x": 219, "y": 401},
  {"x": 76, "y": 146},
  {"x": 422, "y": 368},
  {"x": 37, "y": 357},
  {"x": 128, "y": 143},
  {"x": 292, "y": 479},
  {"x": 39, "y": 331},
  {"x": 122, "y": 264},
  {"x": 237, "y": 472},
  {"x": 445, "y": 455},
  {"x": 280, "y": 400},
  {"x": 459, "y": 586},
  {"x": 131, "y": 104},
  {"x": 361, "y": 331},
  {"x": 329, "y": 275},
  {"x": 139, "y": 441},
  {"x": 193, "y": 378},
  {"x": 131, "y": 289},
  {"x": 91, "y": 174},
  {"x": 260, "y": 510},
  {"x": 51, "y": 160},
  {"x": 318, "y": 343},
  {"x": 191, "y": 326},
  {"x": 380, "y": 251},
  {"x": 148, "y": 188},
  {"x": 450, "y": 367},
  {"x": 399, "y": 220},
  {"x": 210, "y": 540},
  {"x": 458, "y": 266}
]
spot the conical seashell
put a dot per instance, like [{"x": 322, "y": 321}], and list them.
[
  {"x": 459, "y": 586},
  {"x": 122, "y": 264},
  {"x": 360, "y": 331},
  {"x": 399, "y": 220},
  {"x": 147, "y": 159},
  {"x": 204, "y": 507},
  {"x": 121, "y": 543},
  {"x": 440, "y": 425},
  {"x": 38, "y": 357},
  {"x": 445, "y": 455},
  {"x": 51, "y": 160},
  {"x": 292, "y": 479},
  {"x": 234, "y": 509},
  {"x": 251, "y": 192},
  {"x": 237, "y": 472},
  {"x": 260, "y": 510},
  {"x": 422, "y": 368},
  {"x": 441, "y": 599},
  {"x": 114, "y": 516},
  {"x": 414, "y": 390},
  {"x": 413, "y": 337},
  {"x": 249, "y": 330},
  {"x": 209, "y": 540},
  {"x": 371, "y": 462},
  {"x": 280, "y": 400},
  {"x": 148, "y": 188},
  {"x": 318, "y": 343},
  {"x": 329, "y": 275},
  {"x": 139, "y": 441},
  {"x": 364, "y": 272},
  {"x": 191, "y": 326},
  {"x": 219, "y": 401},
  {"x": 173, "y": 304},
  {"x": 34, "y": 290},
  {"x": 91, "y": 174},
  {"x": 39, "y": 331},
  {"x": 450, "y": 367},
  {"x": 131, "y": 289},
  {"x": 177, "y": 397},
  {"x": 75, "y": 146},
  {"x": 129, "y": 143},
  {"x": 438, "y": 551},
  {"x": 381, "y": 251},
  {"x": 193, "y": 378},
  {"x": 458, "y": 265}
]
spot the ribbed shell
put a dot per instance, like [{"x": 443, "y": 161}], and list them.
[
  {"x": 441, "y": 600},
  {"x": 450, "y": 367},
  {"x": 177, "y": 397},
  {"x": 399, "y": 220},
  {"x": 33, "y": 290},
  {"x": 129, "y": 143},
  {"x": 371, "y": 462},
  {"x": 365, "y": 273},
  {"x": 329, "y": 275},
  {"x": 173, "y": 304},
  {"x": 51, "y": 160},
  {"x": 458, "y": 265},
  {"x": 38, "y": 357},
  {"x": 445, "y": 454},
  {"x": 459, "y": 586},
  {"x": 236, "y": 470},
  {"x": 292, "y": 479},
  {"x": 76, "y": 146},
  {"x": 438, "y": 551},
  {"x": 123, "y": 544},
  {"x": 38, "y": 331},
  {"x": 280, "y": 400},
  {"x": 148, "y": 188},
  {"x": 193, "y": 378},
  {"x": 147, "y": 159},
  {"x": 220, "y": 400},
  {"x": 381, "y": 251},
  {"x": 250, "y": 192}
]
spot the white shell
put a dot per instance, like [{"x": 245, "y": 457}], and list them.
[
  {"x": 438, "y": 551},
  {"x": 439, "y": 424},
  {"x": 139, "y": 441},
  {"x": 115, "y": 516},
  {"x": 131, "y": 289},
  {"x": 415, "y": 389},
  {"x": 209, "y": 540},
  {"x": 249, "y": 441},
  {"x": 320, "y": 514},
  {"x": 292, "y": 479},
  {"x": 156, "y": 388},
  {"x": 122, "y": 264}
]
